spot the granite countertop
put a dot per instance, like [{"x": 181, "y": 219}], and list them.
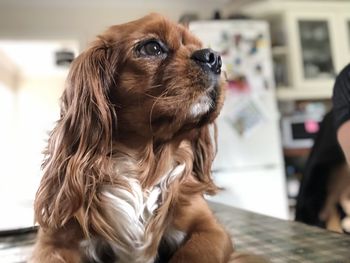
[
  {"x": 277, "y": 240},
  {"x": 282, "y": 241},
  {"x": 17, "y": 245}
]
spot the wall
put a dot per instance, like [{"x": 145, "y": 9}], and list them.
[
  {"x": 37, "y": 111},
  {"x": 31, "y": 113},
  {"x": 7, "y": 103},
  {"x": 27, "y": 116},
  {"x": 8, "y": 73}
]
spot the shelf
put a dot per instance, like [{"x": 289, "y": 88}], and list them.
[
  {"x": 279, "y": 51},
  {"x": 297, "y": 152},
  {"x": 292, "y": 93}
]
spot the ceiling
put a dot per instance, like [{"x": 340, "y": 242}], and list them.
[{"x": 104, "y": 2}]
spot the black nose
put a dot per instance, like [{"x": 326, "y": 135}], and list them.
[{"x": 208, "y": 58}]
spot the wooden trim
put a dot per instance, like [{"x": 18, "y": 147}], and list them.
[
  {"x": 8, "y": 71},
  {"x": 298, "y": 152}
]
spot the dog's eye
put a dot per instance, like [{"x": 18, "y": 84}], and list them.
[{"x": 152, "y": 48}]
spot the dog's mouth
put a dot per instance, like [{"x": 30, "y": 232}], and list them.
[
  {"x": 207, "y": 102},
  {"x": 198, "y": 111},
  {"x": 191, "y": 114}
]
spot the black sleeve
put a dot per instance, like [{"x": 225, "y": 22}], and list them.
[
  {"x": 325, "y": 155},
  {"x": 341, "y": 97}
]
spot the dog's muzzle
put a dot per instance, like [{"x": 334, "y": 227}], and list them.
[{"x": 208, "y": 59}]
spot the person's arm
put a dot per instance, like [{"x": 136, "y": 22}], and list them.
[
  {"x": 341, "y": 110},
  {"x": 343, "y": 135}
]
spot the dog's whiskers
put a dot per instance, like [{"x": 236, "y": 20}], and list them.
[
  {"x": 157, "y": 99},
  {"x": 224, "y": 72}
]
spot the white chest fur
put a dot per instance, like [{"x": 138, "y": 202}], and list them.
[{"x": 129, "y": 212}]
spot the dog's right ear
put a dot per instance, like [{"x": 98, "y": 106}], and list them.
[{"x": 78, "y": 149}]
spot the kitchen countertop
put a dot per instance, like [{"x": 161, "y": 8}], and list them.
[
  {"x": 282, "y": 241},
  {"x": 15, "y": 246},
  {"x": 277, "y": 240}
]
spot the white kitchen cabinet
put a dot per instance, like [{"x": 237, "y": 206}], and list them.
[{"x": 310, "y": 44}]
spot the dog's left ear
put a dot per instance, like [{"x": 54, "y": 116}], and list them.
[
  {"x": 79, "y": 146},
  {"x": 204, "y": 149}
]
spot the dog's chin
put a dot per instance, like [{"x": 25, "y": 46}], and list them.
[
  {"x": 204, "y": 105},
  {"x": 207, "y": 104},
  {"x": 201, "y": 108},
  {"x": 203, "y": 111}
]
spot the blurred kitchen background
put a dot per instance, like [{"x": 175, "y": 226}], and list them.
[{"x": 281, "y": 58}]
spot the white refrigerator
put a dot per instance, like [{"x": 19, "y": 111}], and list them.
[{"x": 249, "y": 163}]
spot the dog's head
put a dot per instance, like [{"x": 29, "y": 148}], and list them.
[
  {"x": 155, "y": 75},
  {"x": 148, "y": 79}
]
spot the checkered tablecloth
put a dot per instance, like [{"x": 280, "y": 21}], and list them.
[{"x": 282, "y": 241}]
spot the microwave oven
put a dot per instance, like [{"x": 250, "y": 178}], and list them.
[{"x": 299, "y": 131}]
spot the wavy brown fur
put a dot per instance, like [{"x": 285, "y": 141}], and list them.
[{"x": 121, "y": 116}]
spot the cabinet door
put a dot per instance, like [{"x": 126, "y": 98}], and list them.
[
  {"x": 316, "y": 53},
  {"x": 347, "y": 23},
  {"x": 313, "y": 52}
]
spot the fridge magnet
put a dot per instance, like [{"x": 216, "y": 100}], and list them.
[
  {"x": 247, "y": 116},
  {"x": 238, "y": 84}
]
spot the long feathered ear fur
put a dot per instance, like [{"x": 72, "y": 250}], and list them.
[
  {"x": 204, "y": 149},
  {"x": 76, "y": 159}
]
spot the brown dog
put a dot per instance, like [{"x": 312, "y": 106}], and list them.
[{"x": 129, "y": 160}]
